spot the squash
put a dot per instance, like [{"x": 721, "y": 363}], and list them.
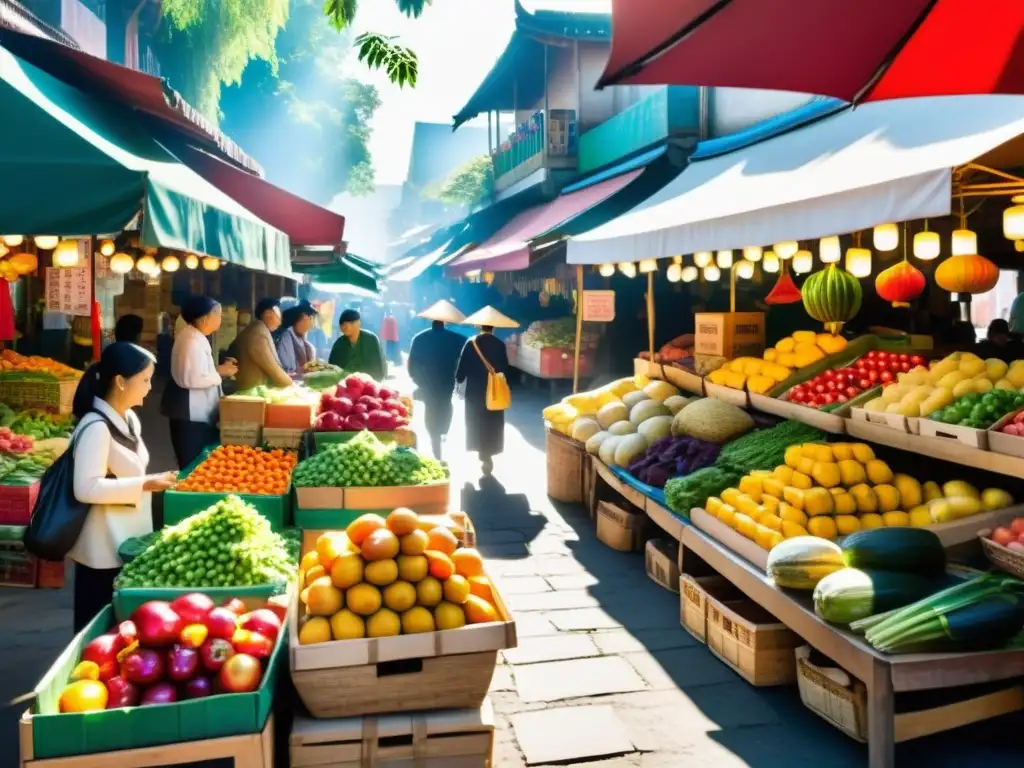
[
  {"x": 648, "y": 409},
  {"x": 832, "y": 296},
  {"x": 907, "y": 550},
  {"x": 660, "y": 390},
  {"x": 803, "y": 561},
  {"x": 851, "y": 594},
  {"x": 622, "y": 428},
  {"x": 655, "y": 428},
  {"x": 631, "y": 399},
  {"x": 584, "y": 428}
]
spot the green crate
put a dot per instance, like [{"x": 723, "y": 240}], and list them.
[
  {"x": 327, "y": 519},
  {"x": 127, "y": 600},
  {"x": 56, "y": 735}
]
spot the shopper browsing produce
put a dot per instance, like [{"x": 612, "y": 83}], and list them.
[
  {"x": 293, "y": 350},
  {"x": 254, "y": 349}
]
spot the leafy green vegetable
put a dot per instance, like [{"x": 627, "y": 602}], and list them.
[
  {"x": 766, "y": 448},
  {"x": 693, "y": 490}
]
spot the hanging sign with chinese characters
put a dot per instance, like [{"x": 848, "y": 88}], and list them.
[{"x": 67, "y": 290}]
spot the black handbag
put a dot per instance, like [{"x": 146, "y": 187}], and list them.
[{"x": 58, "y": 517}]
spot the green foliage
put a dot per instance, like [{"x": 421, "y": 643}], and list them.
[
  {"x": 376, "y": 50},
  {"x": 469, "y": 184}
]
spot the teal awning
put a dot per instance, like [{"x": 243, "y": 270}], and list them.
[
  {"x": 71, "y": 164},
  {"x": 347, "y": 274}
]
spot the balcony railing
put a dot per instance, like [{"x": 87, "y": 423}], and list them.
[{"x": 526, "y": 145}]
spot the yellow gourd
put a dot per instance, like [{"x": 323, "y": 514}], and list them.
[
  {"x": 878, "y": 472},
  {"x": 823, "y": 527},
  {"x": 817, "y": 501},
  {"x": 826, "y": 474},
  {"x": 888, "y": 498},
  {"x": 801, "y": 481}
]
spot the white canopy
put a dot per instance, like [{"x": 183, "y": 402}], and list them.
[{"x": 880, "y": 162}]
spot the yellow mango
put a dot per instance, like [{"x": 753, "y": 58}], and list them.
[
  {"x": 727, "y": 514},
  {"x": 870, "y": 521},
  {"x": 794, "y": 497},
  {"x": 982, "y": 385},
  {"x": 794, "y": 454},
  {"x": 735, "y": 380},
  {"x": 712, "y": 505},
  {"x": 752, "y": 366},
  {"x": 776, "y": 371},
  {"x": 842, "y": 451},
  {"x": 878, "y": 472},
  {"x": 737, "y": 365},
  {"x": 951, "y": 379},
  {"x": 787, "y": 344},
  {"x": 802, "y": 481},
  {"x": 1015, "y": 375},
  {"x": 805, "y": 465},
  {"x": 762, "y": 473},
  {"x": 808, "y": 357},
  {"x": 877, "y": 405},
  {"x": 826, "y": 474},
  {"x": 792, "y": 530},
  {"x": 865, "y": 497},
  {"x": 996, "y": 370},
  {"x": 770, "y": 503},
  {"x": 804, "y": 337},
  {"x": 823, "y": 527},
  {"x": 818, "y": 451},
  {"x": 931, "y": 491},
  {"x": 921, "y": 516},
  {"x": 910, "y": 491},
  {"x": 770, "y": 355},
  {"x": 818, "y": 501},
  {"x": 789, "y": 513},
  {"x": 960, "y": 488},
  {"x": 744, "y": 525},
  {"x": 784, "y": 474},
  {"x": 972, "y": 366},
  {"x": 888, "y": 498},
  {"x": 760, "y": 384},
  {"x": 730, "y": 495},
  {"x": 954, "y": 508},
  {"x": 751, "y": 486},
  {"x": 847, "y": 524},
  {"x": 719, "y": 376},
  {"x": 765, "y": 537},
  {"x": 851, "y": 472},
  {"x": 995, "y": 498},
  {"x": 805, "y": 346},
  {"x": 964, "y": 387},
  {"x": 787, "y": 359},
  {"x": 896, "y": 519},
  {"x": 770, "y": 521},
  {"x": 844, "y": 503},
  {"x": 943, "y": 368},
  {"x": 862, "y": 452},
  {"x": 894, "y": 393},
  {"x": 748, "y": 506},
  {"x": 829, "y": 343},
  {"x": 771, "y": 486}
]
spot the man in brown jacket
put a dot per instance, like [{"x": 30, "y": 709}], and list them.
[{"x": 255, "y": 351}]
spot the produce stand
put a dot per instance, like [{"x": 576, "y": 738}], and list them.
[
  {"x": 51, "y": 395},
  {"x": 883, "y": 675}
]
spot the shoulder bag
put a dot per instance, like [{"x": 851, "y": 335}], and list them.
[{"x": 499, "y": 396}]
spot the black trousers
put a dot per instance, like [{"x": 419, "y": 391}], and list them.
[
  {"x": 94, "y": 589},
  {"x": 437, "y": 413},
  {"x": 189, "y": 438}
]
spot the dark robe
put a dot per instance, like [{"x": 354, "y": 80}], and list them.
[
  {"x": 485, "y": 430},
  {"x": 433, "y": 358}
]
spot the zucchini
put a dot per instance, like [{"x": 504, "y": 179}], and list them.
[
  {"x": 851, "y": 594},
  {"x": 903, "y": 550}
]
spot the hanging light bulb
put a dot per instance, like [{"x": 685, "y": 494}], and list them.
[
  {"x": 753, "y": 253},
  {"x": 191, "y": 261},
  {"x": 107, "y": 248},
  {"x": 65, "y": 253},
  {"x": 745, "y": 269},
  {"x": 712, "y": 273},
  {"x": 146, "y": 265},
  {"x": 1018, "y": 246},
  {"x": 1013, "y": 219},
  {"x": 786, "y": 249},
  {"x": 926, "y": 245},
  {"x": 211, "y": 264},
  {"x": 964, "y": 242},
  {"x": 702, "y": 258},
  {"x": 605, "y": 270},
  {"x": 171, "y": 263},
  {"x": 858, "y": 261},
  {"x": 674, "y": 273},
  {"x": 677, "y": 259},
  {"x": 13, "y": 241},
  {"x": 648, "y": 265},
  {"x": 723, "y": 259},
  {"x": 770, "y": 262},
  {"x": 886, "y": 237},
  {"x": 121, "y": 263},
  {"x": 46, "y": 242},
  {"x": 690, "y": 274},
  {"x": 829, "y": 251},
  {"x": 803, "y": 262},
  {"x": 628, "y": 268}
]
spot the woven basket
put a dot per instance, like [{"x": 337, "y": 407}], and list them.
[
  {"x": 1003, "y": 558},
  {"x": 565, "y": 467}
]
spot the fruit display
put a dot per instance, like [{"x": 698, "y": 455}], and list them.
[
  {"x": 840, "y": 385},
  {"x": 980, "y": 411},
  {"x": 832, "y": 490},
  {"x": 168, "y": 652},
  {"x": 227, "y": 545},
  {"x": 35, "y": 423},
  {"x": 612, "y": 410},
  {"x": 293, "y": 395},
  {"x": 1010, "y": 536},
  {"x": 832, "y": 296},
  {"x": 777, "y": 363},
  {"x": 366, "y": 461},
  {"x": 1014, "y": 426},
  {"x": 242, "y": 469},
  {"x": 675, "y": 351},
  {"x": 359, "y": 403},
  {"x": 558, "y": 333},
  {"x": 35, "y": 367},
  {"x": 22, "y": 460},
  {"x": 669, "y": 457},
  {"x": 320, "y": 376},
  {"x": 382, "y": 577},
  {"x": 922, "y": 391}
]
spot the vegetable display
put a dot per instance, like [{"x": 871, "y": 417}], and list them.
[
  {"x": 35, "y": 367},
  {"x": 851, "y": 594},
  {"x": 563, "y": 414},
  {"x": 242, "y": 469},
  {"x": 980, "y": 411},
  {"x": 366, "y": 461},
  {"x": 670, "y": 457},
  {"x": 1010, "y": 536},
  {"x": 35, "y": 423},
  {"x": 803, "y": 561},
  {"x": 229, "y": 544},
  {"x": 557, "y": 333},
  {"x": 839, "y": 385},
  {"x": 801, "y": 349},
  {"x": 282, "y": 395},
  {"x": 359, "y": 403},
  {"x": 22, "y": 460}
]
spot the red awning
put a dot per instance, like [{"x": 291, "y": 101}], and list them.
[
  {"x": 508, "y": 249},
  {"x": 305, "y": 223}
]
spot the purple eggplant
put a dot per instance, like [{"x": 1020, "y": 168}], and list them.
[
  {"x": 161, "y": 693},
  {"x": 143, "y": 667},
  {"x": 182, "y": 663}
]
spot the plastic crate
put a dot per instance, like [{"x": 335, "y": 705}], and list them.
[{"x": 17, "y": 503}]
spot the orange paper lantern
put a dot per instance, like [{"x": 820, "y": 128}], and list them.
[
  {"x": 970, "y": 274},
  {"x": 900, "y": 284}
]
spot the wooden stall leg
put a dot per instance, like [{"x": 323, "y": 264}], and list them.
[{"x": 881, "y": 718}]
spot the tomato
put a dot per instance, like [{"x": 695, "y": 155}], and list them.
[
  {"x": 236, "y": 606},
  {"x": 1017, "y": 526},
  {"x": 1003, "y": 536},
  {"x": 885, "y": 376},
  {"x": 240, "y": 673},
  {"x": 829, "y": 375},
  {"x": 864, "y": 383},
  {"x": 873, "y": 376},
  {"x": 851, "y": 392},
  {"x": 84, "y": 696},
  {"x": 904, "y": 358},
  {"x": 828, "y": 398},
  {"x": 916, "y": 360}
]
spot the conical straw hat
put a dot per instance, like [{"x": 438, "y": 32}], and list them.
[
  {"x": 491, "y": 317},
  {"x": 444, "y": 312}
]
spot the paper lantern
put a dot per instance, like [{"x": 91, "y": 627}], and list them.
[
  {"x": 170, "y": 263},
  {"x": 121, "y": 263},
  {"x": 674, "y": 273},
  {"x": 211, "y": 264},
  {"x": 770, "y": 262},
  {"x": 745, "y": 269},
  {"x": 712, "y": 273},
  {"x": 3, "y": 250},
  {"x": 784, "y": 291},
  {"x": 1013, "y": 220},
  {"x": 723, "y": 259},
  {"x": 13, "y": 241},
  {"x": 858, "y": 261},
  {"x": 146, "y": 265},
  {"x": 753, "y": 253},
  {"x": 192, "y": 261},
  {"x": 829, "y": 251},
  {"x": 900, "y": 284},
  {"x": 886, "y": 237},
  {"x": 970, "y": 274},
  {"x": 647, "y": 266},
  {"x": 65, "y": 254},
  {"x": 46, "y": 242},
  {"x": 963, "y": 242},
  {"x": 690, "y": 274},
  {"x": 605, "y": 270},
  {"x": 786, "y": 249},
  {"x": 107, "y": 248},
  {"x": 803, "y": 262},
  {"x": 702, "y": 258},
  {"x": 24, "y": 263},
  {"x": 926, "y": 245},
  {"x": 832, "y": 297}
]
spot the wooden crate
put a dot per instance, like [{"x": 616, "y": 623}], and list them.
[
  {"x": 754, "y": 643},
  {"x": 619, "y": 528},
  {"x": 845, "y": 708},
  {"x": 969, "y": 436},
  {"x": 660, "y": 561},
  {"x": 52, "y": 396},
  {"x": 429, "y": 499},
  {"x": 446, "y": 738},
  {"x": 693, "y": 601},
  {"x": 249, "y": 751},
  {"x": 276, "y": 437},
  {"x": 241, "y": 433},
  {"x": 241, "y": 409}
]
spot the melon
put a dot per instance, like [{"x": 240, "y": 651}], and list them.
[
  {"x": 610, "y": 413},
  {"x": 660, "y": 390},
  {"x": 648, "y": 409},
  {"x": 594, "y": 443},
  {"x": 676, "y": 403},
  {"x": 629, "y": 449},
  {"x": 803, "y": 561},
  {"x": 606, "y": 453},
  {"x": 622, "y": 428},
  {"x": 584, "y": 428},
  {"x": 655, "y": 428},
  {"x": 633, "y": 398}
]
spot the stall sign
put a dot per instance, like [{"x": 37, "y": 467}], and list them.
[
  {"x": 67, "y": 290},
  {"x": 598, "y": 306}
]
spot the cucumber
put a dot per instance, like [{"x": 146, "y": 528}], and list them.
[
  {"x": 851, "y": 594},
  {"x": 902, "y": 550}
]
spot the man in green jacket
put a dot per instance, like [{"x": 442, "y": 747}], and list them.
[{"x": 358, "y": 351}]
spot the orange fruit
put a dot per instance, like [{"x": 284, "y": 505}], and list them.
[
  {"x": 439, "y": 565},
  {"x": 330, "y": 545},
  {"x": 402, "y": 521},
  {"x": 382, "y": 544},
  {"x": 481, "y": 587},
  {"x": 456, "y": 589},
  {"x": 363, "y": 526},
  {"x": 323, "y": 598},
  {"x": 479, "y": 611},
  {"x": 468, "y": 562},
  {"x": 442, "y": 540},
  {"x": 414, "y": 543},
  {"x": 315, "y": 573}
]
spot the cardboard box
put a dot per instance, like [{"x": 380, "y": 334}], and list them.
[
  {"x": 319, "y": 498},
  {"x": 618, "y": 528},
  {"x": 240, "y": 433},
  {"x": 758, "y": 647},
  {"x": 693, "y": 601},
  {"x": 729, "y": 334},
  {"x": 236, "y": 408},
  {"x": 660, "y": 561}
]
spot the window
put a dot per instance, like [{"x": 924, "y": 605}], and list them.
[{"x": 995, "y": 304}]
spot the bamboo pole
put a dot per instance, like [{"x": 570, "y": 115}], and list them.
[
  {"x": 732, "y": 287},
  {"x": 650, "y": 314},
  {"x": 579, "y": 330}
]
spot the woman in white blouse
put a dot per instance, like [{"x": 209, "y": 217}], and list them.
[
  {"x": 193, "y": 391},
  {"x": 110, "y": 463}
]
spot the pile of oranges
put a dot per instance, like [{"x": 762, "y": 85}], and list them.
[{"x": 242, "y": 469}]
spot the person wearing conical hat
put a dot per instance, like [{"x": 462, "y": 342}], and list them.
[
  {"x": 433, "y": 357},
  {"x": 485, "y": 429}
]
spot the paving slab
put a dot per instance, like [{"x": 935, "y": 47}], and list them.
[
  {"x": 556, "y": 648},
  {"x": 502, "y": 680},
  {"x": 624, "y": 641},
  {"x": 680, "y": 667},
  {"x": 532, "y": 625},
  {"x": 565, "y": 734},
  {"x": 522, "y": 585},
  {"x": 572, "y": 581},
  {"x": 552, "y": 601},
  {"x": 582, "y": 619},
  {"x": 559, "y": 680}
]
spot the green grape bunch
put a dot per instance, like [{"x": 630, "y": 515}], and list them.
[{"x": 364, "y": 461}]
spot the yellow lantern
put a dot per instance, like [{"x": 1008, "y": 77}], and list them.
[
  {"x": 627, "y": 268},
  {"x": 3, "y": 249},
  {"x": 674, "y": 273},
  {"x": 690, "y": 274},
  {"x": 147, "y": 265},
  {"x": 65, "y": 254},
  {"x": 1013, "y": 220},
  {"x": 886, "y": 237},
  {"x": 192, "y": 261},
  {"x": 605, "y": 270},
  {"x": 969, "y": 274},
  {"x": 107, "y": 248},
  {"x": 858, "y": 261},
  {"x": 712, "y": 273},
  {"x": 171, "y": 263},
  {"x": 745, "y": 269},
  {"x": 926, "y": 245},
  {"x": 803, "y": 262},
  {"x": 829, "y": 251},
  {"x": 770, "y": 262},
  {"x": 723, "y": 259},
  {"x": 13, "y": 241},
  {"x": 702, "y": 258},
  {"x": 121, "y": 263},
  {"x": 211, "y": 264},
  {"x": 1018, "y": 246},
  {"x": 753, "y": 253},
  {"x": 786, "y": 249},
  {"x": 648, "y": 265},
  {"x": 46, "y": 242},
  {"x": 963, "y": 242}
]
